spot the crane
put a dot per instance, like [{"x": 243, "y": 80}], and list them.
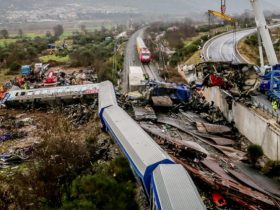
[
  {"x": 262, "y": 29},
  {"x": 222, "y": 14}
]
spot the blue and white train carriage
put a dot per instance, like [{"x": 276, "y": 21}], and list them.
[{"x": 147, "y": 160}]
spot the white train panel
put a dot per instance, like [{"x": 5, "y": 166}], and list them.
[
  {"x": 143, "y": 153},
  {"x": 173, "y": 189},
  {"x": 107, "y": 96}
]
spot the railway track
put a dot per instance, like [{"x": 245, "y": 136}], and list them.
[{"x": 149, "y": 71}]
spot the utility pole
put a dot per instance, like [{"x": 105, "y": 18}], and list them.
[{"x": 115, "y": 57}]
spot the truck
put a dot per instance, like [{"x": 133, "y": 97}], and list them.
[
  {"x": 37, "y": 72},
  {"x": 25, "y": 70},
  {"x": 274, "y": 88},
  {"x": 270, "y": 78}
]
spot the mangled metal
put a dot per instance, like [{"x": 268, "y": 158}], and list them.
[
  {"x": 238, "y": 79},
  {"x": 245, "y": 196},
  {"x": 217, "y": 169},
  {"x": 144, "y": 113},
  {"x": 50, "y": 94},
  {"x": 162, "y": 101},
  {"x": 164, "y": 138}
]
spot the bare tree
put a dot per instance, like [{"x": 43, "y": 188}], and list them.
[
  {"x": 20, "y": 33},
  {"x": 83, "y": 28},
  {"x": 58, "y": 30},
  {"x": 48, "y": 34},
  {"x": 4, "y": 33}
]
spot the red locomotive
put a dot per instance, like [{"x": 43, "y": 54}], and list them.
[{"x": 143, "y": 52}]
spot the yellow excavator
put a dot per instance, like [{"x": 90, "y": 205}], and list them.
[{"x": 222, "y": 14}]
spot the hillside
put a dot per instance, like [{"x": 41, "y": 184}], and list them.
[{"x": 146, "y": 6}]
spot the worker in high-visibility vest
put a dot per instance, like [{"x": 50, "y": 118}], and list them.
[{"x": 274, "y": 105}]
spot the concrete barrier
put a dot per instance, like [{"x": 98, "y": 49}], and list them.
[{"x": 253, "y": 126}]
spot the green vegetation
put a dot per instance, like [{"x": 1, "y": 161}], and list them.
[
  {"x": 254, "y": 153},
  {"x": 78, "y": 49},
  {"x": 97, "y": 50},
  {"x": 57, "y": 58},
  {"x": 5, "y": 42},
  {"x": 186, "y": 51},
  {"x": 115, "y": 178},
  {"x": 272, "y": 168},
  {"x": 252, "y": 40},
  {"x": 64, "y": 173},
  {"x": 23, "y": 51},
  {"x": 32, "y": 35}
]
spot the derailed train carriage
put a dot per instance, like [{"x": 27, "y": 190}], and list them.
[{"x": 153, "y": 167}]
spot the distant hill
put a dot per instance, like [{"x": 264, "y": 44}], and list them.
[{"x": 146, "y": 6}]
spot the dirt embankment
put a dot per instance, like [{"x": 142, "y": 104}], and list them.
[{"x": 248, "y": 52}]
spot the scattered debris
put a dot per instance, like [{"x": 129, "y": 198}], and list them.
[
  {"x": 219, "y": 200},
  {"x": 212, "y": 128},
  {"x": 144, "y": 113},
  {"x": 238, "y": 79},
  {"x": 191, "y": 147},
  {"x": 79, "y": 114},
  {"x": 209, "y": 154},
  {"x": 162, "y": 101}
]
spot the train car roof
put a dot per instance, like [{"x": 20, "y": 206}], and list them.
[
  {"x": 49, "y": 92},
  {"x": 140, "y": 43},
  {"x": 138, "y": 146},
  {"x": 106, "y": 96},
  {"x": 174, "y": 189}
]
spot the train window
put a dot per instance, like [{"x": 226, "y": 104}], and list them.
[
  {"x": 17, "y": 94},
  {"x": 22, "y": 93}
]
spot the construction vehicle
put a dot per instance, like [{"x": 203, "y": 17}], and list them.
[
  {"x": 222, "y": 14},
  {"x": 35, "y": 73},
  {"x": 270, "y": 81},
  {"x": 274, "y": 88},
  {"x": 264, "y": 39}
]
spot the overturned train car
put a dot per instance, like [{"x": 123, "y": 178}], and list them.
[{"x": 153, "y": 167}]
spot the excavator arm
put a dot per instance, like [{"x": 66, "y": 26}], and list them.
[{"x": 222, "y": 16}]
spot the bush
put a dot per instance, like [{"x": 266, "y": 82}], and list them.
[
  {"x": 254, "y": 153},
  {"x": 183, "y": 53},
  {"x": 14, "y": 68},
  {"x": 110, "y": 187},
  {"x": 272, "y": 168},
  {"x": 58, "y": 160},
  {"x": 252, "y": 40}
]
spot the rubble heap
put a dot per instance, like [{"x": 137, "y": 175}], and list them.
[{"x": 238, "y": 79}]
